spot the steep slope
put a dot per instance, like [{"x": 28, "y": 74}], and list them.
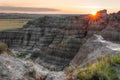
[{"x": 94, "y": 47}]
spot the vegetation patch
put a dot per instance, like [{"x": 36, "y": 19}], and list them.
[
  {"x": 6, "y": 24},
  {"x": 22, "y": 55},
  {"x": 104, "y": 69},
  {"x": 3, "y": 47}
]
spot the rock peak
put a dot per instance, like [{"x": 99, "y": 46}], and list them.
[{"x": 104, "y": 11}]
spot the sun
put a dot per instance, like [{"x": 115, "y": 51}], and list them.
[{"x": 93, "y": 13}]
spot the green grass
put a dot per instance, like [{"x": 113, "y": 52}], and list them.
[
  {"x": 12, "y": 23},
  {"x": 104, "y": 69},
  {"x": 22, "y": 55}
]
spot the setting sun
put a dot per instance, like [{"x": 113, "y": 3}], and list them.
[{"x": 93, "y": 13}]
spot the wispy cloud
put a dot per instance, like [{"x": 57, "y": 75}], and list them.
[{"x": 27, "y": 9}]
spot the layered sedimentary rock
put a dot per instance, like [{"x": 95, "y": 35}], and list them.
[{"x": 54, "y": 41}]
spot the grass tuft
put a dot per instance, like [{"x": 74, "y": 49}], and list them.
[
  {"x": 22, "y": 55},
  {"x": 104, "y": 69}
]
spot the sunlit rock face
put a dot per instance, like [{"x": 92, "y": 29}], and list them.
[
  {"x": 54, "y": 41},
  {"x": 99, "y": 21}
]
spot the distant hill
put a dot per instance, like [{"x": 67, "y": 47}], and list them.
[
  {"x": 28, "y": 16},
  {"x": 18, "y": 16}
]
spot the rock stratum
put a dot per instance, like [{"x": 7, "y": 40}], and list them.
[{"x": 55, "y": 42}]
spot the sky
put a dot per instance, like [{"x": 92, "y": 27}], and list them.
[{"x": 58, "y": 6}]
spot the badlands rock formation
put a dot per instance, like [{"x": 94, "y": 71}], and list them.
[
  {"x": 54, "y": 41},
  {"x": 12, "y": 68}
]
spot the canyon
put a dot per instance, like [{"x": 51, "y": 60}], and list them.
[{"x": 57, "y": 42}]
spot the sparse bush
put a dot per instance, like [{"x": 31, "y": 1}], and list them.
[
  {"x": 22, "y": 54},
  {"x": 10, "y": 53},
  {"x": 101, "y": 70},
  {"x": 116, "y": 59},
  {"x": 3, "y": 47},
  {"x": 68, "y": 70}
]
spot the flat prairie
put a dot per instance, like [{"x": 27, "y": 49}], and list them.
[{"x": 6, "y": 24}]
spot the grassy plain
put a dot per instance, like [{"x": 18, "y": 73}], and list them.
[{"x": 6, "y": 24}]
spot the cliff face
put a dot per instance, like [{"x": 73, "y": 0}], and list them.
[
  {"x": 54, "y": 41},
  {"x": 106, "y": 42},
  {"x": 94, "y": 47}
]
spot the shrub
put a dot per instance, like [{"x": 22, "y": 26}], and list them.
[
  {"x": 3, "y": 47},
  {"x": 10, "y": 53},
  {"x": 22, "y": 55},
  {"x": 116, "y": 59},
  {"x": 69, "y": 69},
  {"x": 101, "y": 70}
]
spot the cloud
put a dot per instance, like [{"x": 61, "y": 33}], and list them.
[{"x": 27, "y": 9}]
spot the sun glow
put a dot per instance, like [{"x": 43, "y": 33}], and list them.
[{"x": 93, "y": 13}]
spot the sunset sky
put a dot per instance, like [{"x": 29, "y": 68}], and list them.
[{"x": 58, "y": 6}]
